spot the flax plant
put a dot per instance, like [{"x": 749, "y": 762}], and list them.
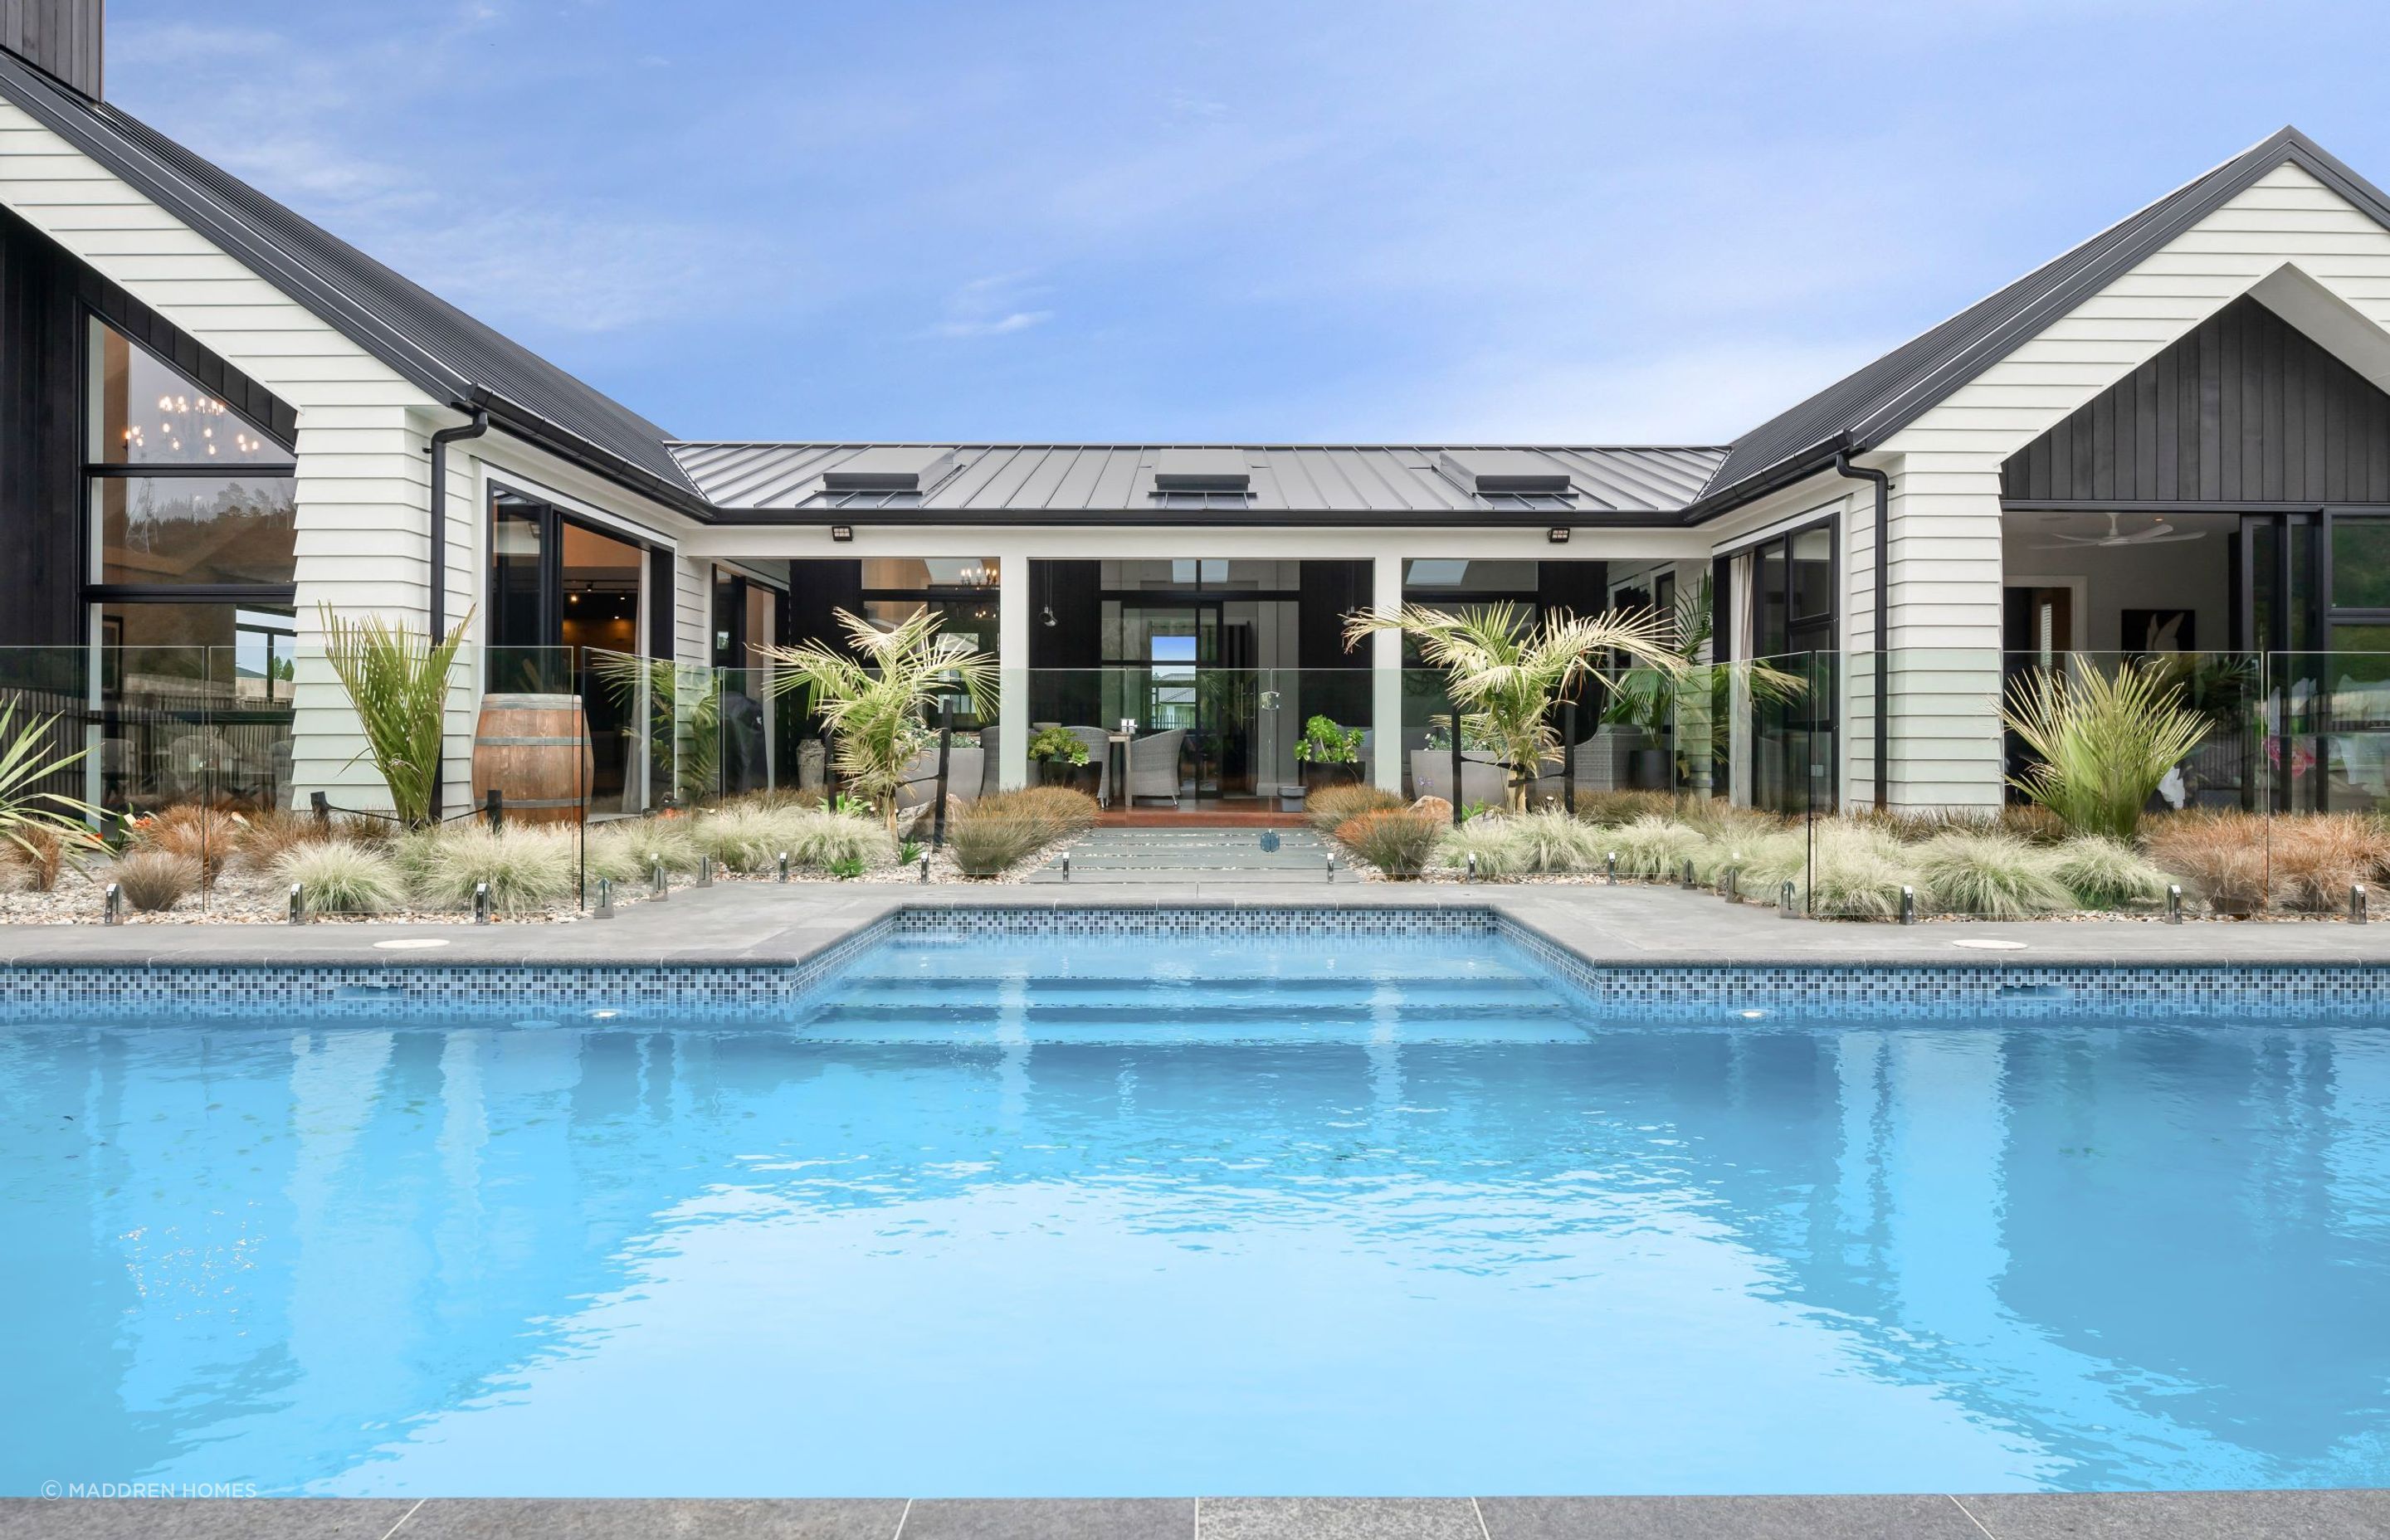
[
  {"x": 31, "y": 818},
  {"x": 2101, "y": 743},
  {"x": 875, "y": 702},
  {"x": 397, "y": 682},
  {"x": 1505, "y": 673}
]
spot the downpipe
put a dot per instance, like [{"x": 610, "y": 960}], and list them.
[
  {"x": 1882, "y": 481},
  {"x": 438, "y": 544}
]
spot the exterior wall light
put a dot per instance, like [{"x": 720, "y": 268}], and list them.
[
  {"x": 1558, "y": 535},
  {"x": 841, "y": 531}
]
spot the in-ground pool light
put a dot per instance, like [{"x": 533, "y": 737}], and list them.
[
  {"x": 298, "y": 904},
  {"x": 112, "y": 907},
  {"x": 784, "y": 865},
  {"x": 2173, "y": 904},
  {"x": 1907, "y": 904},
  {"x": 2356, "y": 903},
  {"x": 480, "y": 903},
  {"x": 1610, "y": 868}
]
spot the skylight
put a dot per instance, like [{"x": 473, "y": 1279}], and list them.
[
  {"x": 890, "y": 467},
  {"x": 1504, "y": 470},
  {"x": 1202, "y": 471}
]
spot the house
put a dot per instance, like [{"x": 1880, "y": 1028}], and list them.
[{"x": 216, "y": 417}]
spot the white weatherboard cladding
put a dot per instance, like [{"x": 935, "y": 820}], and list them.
[
  {"x": 364, "y": 468},
  {"x": 1947, "y": 560}
]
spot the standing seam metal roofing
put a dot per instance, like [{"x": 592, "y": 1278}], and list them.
[
  {"x": 421, "y": 337},
  {"x": 1027, "y": 479},
  {"x": 1868, "y": 407}
]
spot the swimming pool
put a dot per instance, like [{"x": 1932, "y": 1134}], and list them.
[{"x": 1289, "y": 1214}]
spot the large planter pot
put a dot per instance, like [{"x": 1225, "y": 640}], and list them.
[
  {"x": 1318, "y": 777},
  {"x": 534, "y": 750},
  {"x": 1648, "y": 770},
  {"x": 1078, "y": 777}
]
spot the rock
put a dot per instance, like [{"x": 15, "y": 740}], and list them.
[{"x": 1436, "y": 805}]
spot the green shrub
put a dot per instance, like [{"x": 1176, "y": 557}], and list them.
[
  {"x": 342, "y": 879},
  {"x": 2105, "y": 874},
  {"x": 1059, "y": 746},
  {"x": 2101, "y": 743},
  {"x": 155, "y": 880},
  {"x": 527, "y": 867},
  {"x": 1399, "y": 842},
  {"x": 1991, "y": 876},
  {"x": 1332, "y": 806},
  {"x": 847, "y": 867}
]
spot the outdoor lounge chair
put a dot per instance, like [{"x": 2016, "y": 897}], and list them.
[
  {"x": 1099, "y": 755},
  {"x": 1153, "y": 765}
]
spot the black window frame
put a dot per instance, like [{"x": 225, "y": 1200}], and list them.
[{"x": 549, "y": 606}]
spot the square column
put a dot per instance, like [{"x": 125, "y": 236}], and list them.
[
  {"x": 1386, "y": 676},
  {"x": 1012, "y": 671}
]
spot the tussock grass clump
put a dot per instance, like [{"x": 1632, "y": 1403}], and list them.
[
  {"x": 1653, "y": 846},
  {"x": 2035, "y": 824},
  {"x": 527, "y": 867},
  {"x": 1330, "y": 805},
  {"x": 1856, "y": 873},
  {"x": 1555, "y": 843},
  {"x": 2107, "y": 874},
  {"x": 1399, "y": 842},
  {"x": 340, "y": 878},
  {"x": 2220, "y": 857},
  {"x": 993, "y": 835},
  {"x": 1610, "y": 808},
  {"x": 2315, "y": 859},
  {"x": 208, "y": 836},
  {"x": 44, "y": 852},
  {"x": 744, "y": 838},
  {"x": 1493, "y": 840},
  {"x": 155, "y": 880},
  {"x": 1990, "y": 876},
  {"x": 626, "y": 850},
  {"x": 841, "y": 842},
  {"x": 265, "y": 837}
]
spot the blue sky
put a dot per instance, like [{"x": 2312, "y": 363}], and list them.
[{"x": 1364, "y": 221}]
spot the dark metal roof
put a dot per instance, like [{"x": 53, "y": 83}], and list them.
[
  {"x": 1868, "y": 407},
  {"x": 418, "y": 335},
  {"x": 1360, "y": 483}
]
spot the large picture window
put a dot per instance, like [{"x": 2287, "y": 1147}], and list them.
[{"x": 192, "y": 561}]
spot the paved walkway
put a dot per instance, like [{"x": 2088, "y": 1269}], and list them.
[
  {"x": 2153, "y": 1516},
  {"x": 767, "y": 923}
]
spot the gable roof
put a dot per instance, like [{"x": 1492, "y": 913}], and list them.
[
  {"x": 421, "y": 337},
  {"x": 1362, "y": 484},
  {"x": 1867, "y": 408}
]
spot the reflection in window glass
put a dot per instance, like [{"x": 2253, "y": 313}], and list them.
[
  {"x": 915, "y": 575},
  {"x": 198, "y": 529},
  {"x": 195, "y": 704},
  {"x": 1813, "y": 573},
  {"x": 149, "y": 413},
  {"x": 2360, "y": 563},
  {"x": 516, "y": 548},
  {"x": 602, "y": 578}
]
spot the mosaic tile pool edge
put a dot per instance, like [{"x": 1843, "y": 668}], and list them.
[{"x": 782, "y": 990}]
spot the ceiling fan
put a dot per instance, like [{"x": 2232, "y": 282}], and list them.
[{"x": 2159, "y": 534}]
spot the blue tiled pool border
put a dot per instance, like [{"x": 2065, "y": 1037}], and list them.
[{"x": 753, "y": 989}]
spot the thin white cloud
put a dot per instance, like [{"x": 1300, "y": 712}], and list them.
[{"x": 991, "y": 305}]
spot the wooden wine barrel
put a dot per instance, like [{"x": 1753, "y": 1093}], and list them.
[{"x": 534, "y": 749}]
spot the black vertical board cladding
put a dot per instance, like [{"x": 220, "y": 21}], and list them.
[
  {"x": 2243, "y": 409},
  {"x": 1335, "y": 682}
]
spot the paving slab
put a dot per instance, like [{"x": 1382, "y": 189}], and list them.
[
  {"x": 1927, "y": 1517},
  {"x": 1339, "y": 1519},
  {"x": 2184, "y": 1516},
  {"x": 200, "y": 1518},
  {"x": 1051, "y": 1519},
  {"x": 631, "y": 1519}
]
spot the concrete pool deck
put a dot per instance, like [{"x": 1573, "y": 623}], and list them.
[
  {"x": 767, "y": 923},
  {"x": 2140, "y": 1516}
]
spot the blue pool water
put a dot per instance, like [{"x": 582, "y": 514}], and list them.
[{"x": 1014, "y": 1217}]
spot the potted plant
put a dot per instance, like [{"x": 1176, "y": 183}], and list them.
[
  {"x": 1648, "y": 698},
  {"x": 1061, "y": 758},
  {"x": 1328, "y": 754}
]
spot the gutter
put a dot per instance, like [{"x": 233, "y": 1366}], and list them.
[
  {"x": 439, "y": 442},
  {"x": 1844, "y": 468}
]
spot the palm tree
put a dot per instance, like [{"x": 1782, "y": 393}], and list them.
[
  {"x": 1505, "y": 671},
  {"x": 876, "y": 706},
  {"x": 1654, "y": 701}
]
